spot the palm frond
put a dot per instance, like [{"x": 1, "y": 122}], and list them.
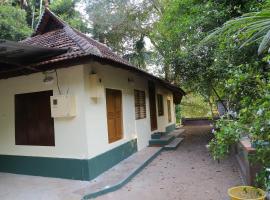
[
  {"x": 252, "y": 27},
  {"x": 255, "y": 37},
  {"x": 265, "y": 43}
]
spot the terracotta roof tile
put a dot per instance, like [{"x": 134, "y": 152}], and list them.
[
  {"x": 52, "y": 32},
  {"x": 60, "y": 35}
]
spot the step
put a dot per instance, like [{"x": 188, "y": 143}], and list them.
[
  {"x": 164, "y": 140},
  {"x": 157, "y": 135},
  {"x": 178, "y": 132},
  {"x": 173, "y": 144}
]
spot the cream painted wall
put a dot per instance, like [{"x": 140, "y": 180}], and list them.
[
  {"x": 96, "y": 114},
  {"x": 163, "y": 121},
  {"x": 96, "y": 119},
  {"x": 84, "y": 136},
  {"x": 143, "y": 126},
  {"x": 70, "y": 138}
]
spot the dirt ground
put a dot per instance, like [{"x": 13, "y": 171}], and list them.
[{"x": 185, "y": 174}]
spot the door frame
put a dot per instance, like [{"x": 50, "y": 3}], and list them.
[
  {"x": 152, "y": 105},
  {"x": 122, "y": 127}
]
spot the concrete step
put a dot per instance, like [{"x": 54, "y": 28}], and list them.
[
  {"x": 157, "y": 135},
  {"x": 164, "y": 140},
  {"x": 178, "y": 132},
  {"x": 173, "y": 144}
]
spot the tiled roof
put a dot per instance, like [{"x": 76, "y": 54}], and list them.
[{"x": 52, "y": 32}]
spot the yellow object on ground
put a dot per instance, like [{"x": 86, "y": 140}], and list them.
[{"x": 246, "y": 193}]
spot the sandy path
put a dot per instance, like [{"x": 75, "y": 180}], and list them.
[{"x": 185, "y": 174}]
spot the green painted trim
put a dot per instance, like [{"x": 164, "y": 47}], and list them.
[
  {"x": 122, "y": 182},
  {"x": 170, "y": 128},
  {"x": 44, "y": 166},
  {"x": 78, "y": 169},
  {"x": 163, "y": 141},
  {"x": 105, "y": 161}
]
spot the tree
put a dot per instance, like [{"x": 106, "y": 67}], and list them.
[
  {"x": 65, "y": 9},
  {"x": 252, "y": 27},
  {"x": 179, "y": 32},
  {"x": 13, "y": 23},
  {"x": 123, "y": 25},
  {"x": 247, "y": 85}
]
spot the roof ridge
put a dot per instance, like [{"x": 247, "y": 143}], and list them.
[
  {"x": 47, "y": 12},
  {"x": 84, "y": 45},
  {"x": 99, "y": 45}
]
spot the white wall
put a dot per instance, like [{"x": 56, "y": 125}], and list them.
[
  {"x": 96, "y": 113},
  {"x": 96, "y": 119},
  {"x": 163, "y": 121},
  {"x": 70, "y": 139},
  {"x": 86, "y": 135}
]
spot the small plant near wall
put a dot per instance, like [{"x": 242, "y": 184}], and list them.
[
  {"x": 252, "y": 96},
  {"x": 254, "y": 122},
  {"x": 263, "y": 179},
  {"x": 227, "y": 133}
]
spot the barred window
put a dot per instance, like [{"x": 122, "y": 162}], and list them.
[
  {"x": 160, "y": 105},
  {"x": 140, "y": 106}
]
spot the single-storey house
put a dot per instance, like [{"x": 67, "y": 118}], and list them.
[{"x": 71, "y": 108}]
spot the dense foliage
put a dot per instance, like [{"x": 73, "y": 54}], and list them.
[
  {"x": 66, "y": 10},
  {"x": 19, "y": 18},
  {"x": 194, "y": 106},
  {"x": 13, "y": 24},
  {"x": 248, "y": 90},
  {"x": 124, "y": 25}
]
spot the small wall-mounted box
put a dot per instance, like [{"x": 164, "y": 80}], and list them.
[
  {"x": 63, "y": 106},
  {"x": 95, "y": 86}
]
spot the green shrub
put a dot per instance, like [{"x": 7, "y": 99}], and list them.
[{"x": 13, "y": 23}]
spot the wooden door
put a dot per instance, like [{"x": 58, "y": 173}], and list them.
[
  {"x": 114, "y": 114},
  {"x": 169, "y": 111},
  {"x": 33, "y": 122},
  {"x": 152, "y": 104}
]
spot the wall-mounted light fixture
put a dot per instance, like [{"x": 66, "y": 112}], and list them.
[
  {"x": 131, "y": 81},
  {"x": 95, "y": 86},
  {"x": 48, "y": 78}
]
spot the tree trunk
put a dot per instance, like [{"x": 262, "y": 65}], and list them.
[
  {"x": 211, "y": 107},
  {"x": 167, "y": 72}
]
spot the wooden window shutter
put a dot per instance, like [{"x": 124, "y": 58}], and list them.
[
  {"x": 140, "y": 105},
  {"x": 33, "y": 122}
]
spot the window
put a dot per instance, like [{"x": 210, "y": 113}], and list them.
[
  {"x": 33, "y": 122},
  {"x": 140, "y": 106},
  {"x": 160, "y": 105},
  {"x": 169, "y": 110}
]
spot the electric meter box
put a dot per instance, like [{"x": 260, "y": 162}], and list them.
[{"x": 63, "y": 106}]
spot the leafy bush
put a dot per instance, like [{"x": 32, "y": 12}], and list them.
[
  {"x": 194, "y": 106},
  {"x": 254, "y": 120},
  {"x": 13, "y": 23},
  {"x": 227, "y": 134},
  {"x": 263, "y": 179}
]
